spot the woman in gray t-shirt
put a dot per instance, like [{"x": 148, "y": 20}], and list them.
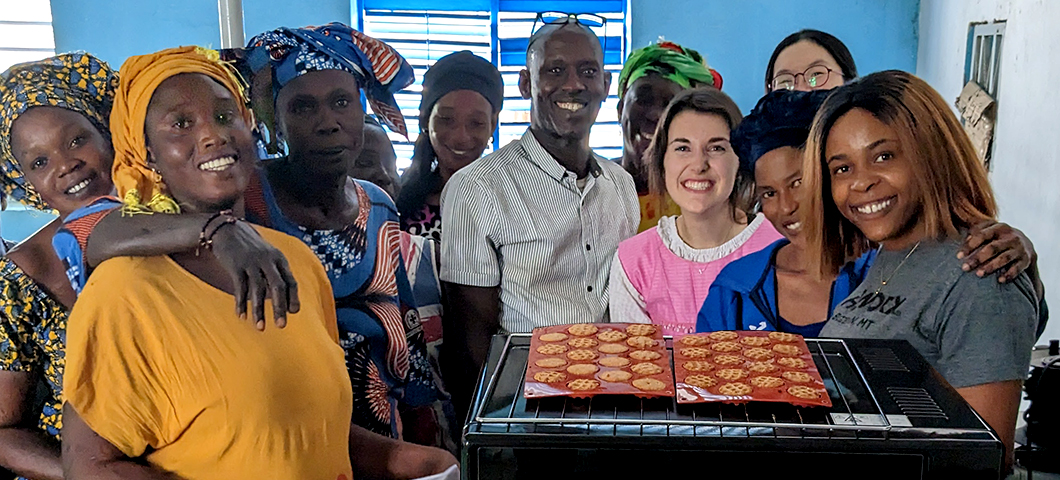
[{"x": 888, "y": 163}]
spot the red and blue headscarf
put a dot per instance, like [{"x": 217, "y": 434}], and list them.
[{"x": 291, "y": 52}]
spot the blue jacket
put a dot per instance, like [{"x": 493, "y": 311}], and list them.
[{"x": 744, "y": 295}]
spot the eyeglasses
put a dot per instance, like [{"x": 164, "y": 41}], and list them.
[
  {"x": 815, "y": 77},
  {"x": 563, "y": 18}
]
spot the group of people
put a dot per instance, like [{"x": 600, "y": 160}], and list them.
[{"x": 841, "y": 206}]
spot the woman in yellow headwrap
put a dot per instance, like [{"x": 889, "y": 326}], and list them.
[{"x": 157, "y": 382}]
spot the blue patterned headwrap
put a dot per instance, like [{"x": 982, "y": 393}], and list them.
[{"x": 782, "y": 118}]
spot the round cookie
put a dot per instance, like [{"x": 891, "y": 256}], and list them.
[
  {"x": 723, "y": 336},
  {"x": 611, "y": 336},
  {"x": 698, "y": 366},
  {"x": 551, "y": 349},
  {"x": 701, "y": 381},
  {"x": 790, "y": 350},
  {"x": 616, "y": 376},
  {"x": 551, "y": 362},
  {"x": 582, "y": 369},
  {"x": 550, "y": 376},
  {"x": 731, "y": 374},
  {"x": 649, "y": 384},
  {"x": 583, "y": 342},
  {"x": 641, "y": 342},
  {"x": 695, "y": 352},
  {"x": 766, "y": 382},
  {"x": 726, "y": 347},
  {"x": 582, "y": 384},
  {"x": 614, "y": 362},
  {"x": 755, "y": 341},
  {"x": 802, "y": 391},
  {"x": 641, "y": 329},
  {"x": 762, "y": 367},
  {"x": 582, "y": 329},
  {"x": 613, "y": 348},
  {"x": 644, "y": 355},
  {"x": 646, "y": 368},
  {"x": 735, "y": 389},
  {"x": 581, "y": 355},
  {"x": 728, "y": 359},
  {"x": 694, "y": 340},
  {"x": 792, "y": 362},
  {"x": 553, "y": 337},
  {"x": 797, "y": 377},
  {"x": 758, "y": 353},
  {"x": 783, "y": 336}
]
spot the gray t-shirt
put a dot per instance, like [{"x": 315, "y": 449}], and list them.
[{"x": 972, "y": 330}]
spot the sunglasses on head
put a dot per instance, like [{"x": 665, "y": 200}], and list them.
[{"x": 563, "y": 18}]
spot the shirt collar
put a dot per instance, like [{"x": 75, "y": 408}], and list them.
[{"x": 545, "y": 161}]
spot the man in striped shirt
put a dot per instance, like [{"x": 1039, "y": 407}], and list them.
[{"x": 529, "y": 231}]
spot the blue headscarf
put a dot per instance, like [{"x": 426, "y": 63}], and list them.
[
  {"x": 379, "y": 69},
  {"x": 782, "y": 118}
]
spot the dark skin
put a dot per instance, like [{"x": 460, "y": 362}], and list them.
[
  {"x": 377, "y": 162},
  {"x": 639, "y": 112},
  {"x": 191, "y": 124},
  {"x": 566, "y": 82}
]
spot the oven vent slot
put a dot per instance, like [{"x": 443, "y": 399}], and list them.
[
  {"x": 916, "y": 402},
  {"x": 883, "y": 359}
]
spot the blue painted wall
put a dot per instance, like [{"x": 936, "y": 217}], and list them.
[
  {"x": 116, "y": 29},
  {"x": 738, "y": 36}
]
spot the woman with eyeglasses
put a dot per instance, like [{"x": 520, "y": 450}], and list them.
[{"x": 809, "y": 60}]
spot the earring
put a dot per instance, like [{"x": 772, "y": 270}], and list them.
[{"x": 156, "y": 174}]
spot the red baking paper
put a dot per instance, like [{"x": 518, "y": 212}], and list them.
[
  {"x": 744, "y": 366},
  {"x": 599, "y": 357}
]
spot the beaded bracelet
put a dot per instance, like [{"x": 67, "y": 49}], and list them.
[{"x": 206, "y": 239}]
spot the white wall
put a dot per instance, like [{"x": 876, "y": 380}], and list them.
[{"x": 1026, "y": 164}]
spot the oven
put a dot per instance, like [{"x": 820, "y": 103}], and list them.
[{"x": 893, "y": 416}]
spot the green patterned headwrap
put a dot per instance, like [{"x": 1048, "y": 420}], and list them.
[{"x": 669, "y": 60}]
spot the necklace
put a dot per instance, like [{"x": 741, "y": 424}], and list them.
[{"x": 889, "y": 277}]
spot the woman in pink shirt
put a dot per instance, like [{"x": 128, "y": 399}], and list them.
[{"x": 662, "y": 275}]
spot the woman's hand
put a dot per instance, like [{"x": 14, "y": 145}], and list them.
[
  {"x": 996, "y": 247},
  {"x": 258, "y": 271},
  {"x": 411, "y": 461}
]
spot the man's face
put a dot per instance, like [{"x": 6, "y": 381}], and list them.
[{"x": 565, "y": 81}]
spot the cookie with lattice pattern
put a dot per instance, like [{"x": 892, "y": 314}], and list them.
[
  {"x": 792, "y": 362},
  {"x": 550, "y": 377},
  {"x": 728, "y": 359},
  {"x": 551, "y": 349},
  {"x": 755, "y": 341},
  {"x": 762, "y": 367},
  {"x": 582, "y": 369},
  {"x": 731, "y": 374},
  {"x": 649, "y": 384},
  {"x": 766, "y": 381},
  {"x": 551, "y": 362},
  {"x": 758, "y": 353},
  {"x": 613, "y": 348},
  {"x": 802, "y": 391},
  {"x": 581, "y": 355},
  {"x": 640, "y": 341},
  {"x": 612, "y": 335},
  {"x": 583, "y": 342},
  {"x": 735, "y": 389},
  {"x": 553, "y": 337},
  {"x": 616, "y": 376},
  {"x": 700, "y": 380},
  {"x": 723, "y": 336},
  {"x": 644, "y": 355},
  {"x": 726, "y": 347},
  {"x": 646, "y": 368},
  {"x": 582, "y": 329},
  {"x": 698, "y": 366},
  {"x": 614, "y": 362},
  {"x": 583, "y": 384},
  {"x": 694, "y": 340},
  {"x": 641, "y": 329},
  {"x": 695, "y": 352},
  {"x": 783, "y": 336},
  {"x": 790, "y": 350},
  {"x": 797, "y": 377}
]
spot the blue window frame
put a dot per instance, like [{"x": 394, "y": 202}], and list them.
[{"x": 497, "y": 30}]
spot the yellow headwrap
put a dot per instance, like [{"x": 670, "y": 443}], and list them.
[{"x": 139, "y": 77}]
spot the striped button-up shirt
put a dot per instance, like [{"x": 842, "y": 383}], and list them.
[{"x": 518, "y": 219}]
